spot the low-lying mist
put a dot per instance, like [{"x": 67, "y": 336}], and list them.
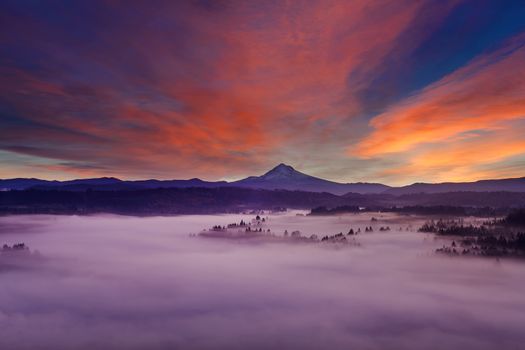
[{"x": 114, "y": 282}]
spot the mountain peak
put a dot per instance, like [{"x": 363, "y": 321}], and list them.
[
  {"x": 283, "y": 167},
  {"x": 282, "y": 171}
]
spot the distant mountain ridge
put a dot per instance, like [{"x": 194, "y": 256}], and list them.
[
  {"x": 282, "y": 177},
  {"x": 108, "y": 184},
  {"x": 507, "y": 185}
]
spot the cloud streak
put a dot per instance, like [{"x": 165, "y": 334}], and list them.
[{"x": 468, "y": 118}]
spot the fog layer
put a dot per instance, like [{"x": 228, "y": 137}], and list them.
[{"x": 112, "y": 282}]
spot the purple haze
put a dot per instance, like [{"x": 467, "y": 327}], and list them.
[{"x": 112, "y": 282}]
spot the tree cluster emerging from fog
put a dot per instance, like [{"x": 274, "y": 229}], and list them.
[
  {"x": 453, "y": 228},
  {"x": 492, "y": 238}
]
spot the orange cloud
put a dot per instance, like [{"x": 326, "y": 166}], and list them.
[
  {"x": 479, "y": 96},
  {"x": 450, "y": 129},
  {"x": 463, "y": 161}
]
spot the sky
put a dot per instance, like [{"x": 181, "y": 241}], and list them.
[{"x": 378, "y": 91}]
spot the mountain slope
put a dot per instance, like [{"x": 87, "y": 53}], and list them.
[{"x": 286, "y": 177}]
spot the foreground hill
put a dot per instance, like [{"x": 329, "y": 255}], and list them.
[
  {"x": 191, "y": 200},
  {"x": 195, "y": 200}
]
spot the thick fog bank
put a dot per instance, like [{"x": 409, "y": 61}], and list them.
[{"x": 111, "y": 282}]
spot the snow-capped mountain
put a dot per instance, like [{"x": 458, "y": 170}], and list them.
[{"x": 286, "y": 177}]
